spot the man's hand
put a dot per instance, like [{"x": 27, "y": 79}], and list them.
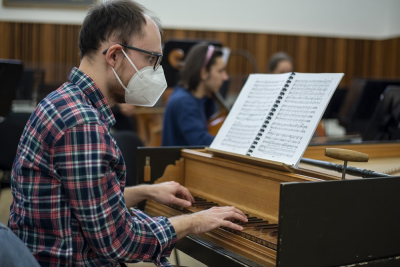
[
  {"x": 207, "y": 220},
  {"x": 171, "y": 193},
  {"x": 164, "y": 193}
]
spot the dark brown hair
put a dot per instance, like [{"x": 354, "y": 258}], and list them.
[
  {"x": 119, "y": 19},
  {"x": 189, "y": 77},
  {"x": 276, "y": 58}
]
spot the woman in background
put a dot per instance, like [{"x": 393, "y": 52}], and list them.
[
  {"x": 280, "y": 63},
  {"x": 190, "y": 106}
]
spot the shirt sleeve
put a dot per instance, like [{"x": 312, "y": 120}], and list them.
[
  {"x": 192, "y": 124},
  {"x": 85, "y": 158}
]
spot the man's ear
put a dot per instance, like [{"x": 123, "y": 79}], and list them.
[
  {"x": 114, "y": 55},
  {"x": 204, "y": 74}
]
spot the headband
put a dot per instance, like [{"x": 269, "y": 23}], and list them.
[{"x": 210, "y": 51}]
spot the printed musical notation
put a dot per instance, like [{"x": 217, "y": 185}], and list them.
[
  {"x": 290, "y": 127},
  {"x": 259, "y": 100},
  {"x": 254, "y": 110},
  {"x": 240, "y": 135},
  {"x": 302, "y": 114},
  {"x": 308, "y": 91},
  {"x": 287, "y": 138},
  {"x": 278, "y": 144}
]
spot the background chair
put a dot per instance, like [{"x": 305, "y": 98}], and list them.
[
  {"x": 385, "y": 121},
  {"x": 128, "y": 142}
]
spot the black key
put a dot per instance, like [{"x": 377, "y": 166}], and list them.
[
  {"x": 258, "y": 226},
  {"x": 267, "y": 228},
  {"x": 260, "y": 221}
]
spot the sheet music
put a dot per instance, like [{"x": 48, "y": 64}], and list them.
[
  {"x": 291, "y": 127},
  {"x": 249, "y": 111}
]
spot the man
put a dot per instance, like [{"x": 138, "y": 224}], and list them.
[
  {"x": 189, "y": 107},
  {"x": 70, "y": 205}
]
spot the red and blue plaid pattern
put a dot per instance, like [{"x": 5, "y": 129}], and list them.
[{"x": 68, "y": 181}]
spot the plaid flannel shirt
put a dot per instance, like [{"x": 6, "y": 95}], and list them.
[{"x": 68, "y": 181}]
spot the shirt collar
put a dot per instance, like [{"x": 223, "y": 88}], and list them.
[{"x": 87, "y": 85}]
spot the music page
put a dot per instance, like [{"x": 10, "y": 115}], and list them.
[
  {"x": 249, "y": 112},
  {"x": 292, "y": 125}
]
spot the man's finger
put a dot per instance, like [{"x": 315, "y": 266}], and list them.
[
  {"x": 181, "y": 202},
  {"x": 239, "y": 211},
  {"x": 234, "y": 215},
  {"x": 231, "y": 225},
  {"x": 184, "y": 192}
]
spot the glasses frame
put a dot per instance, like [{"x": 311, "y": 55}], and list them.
[{"x": 159, "y": 56}]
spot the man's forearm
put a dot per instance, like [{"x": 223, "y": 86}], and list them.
[
  {"x": 135, "y": 194},
  {"x": 183, "y": 225}
]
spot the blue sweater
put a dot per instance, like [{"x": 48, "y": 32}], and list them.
[{"x": 185, "y": 120}]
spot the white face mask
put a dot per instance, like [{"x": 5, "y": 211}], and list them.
[{"x": 145, "y": 87}]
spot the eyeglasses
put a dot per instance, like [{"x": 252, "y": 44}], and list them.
[{"x": 159, "y": 56}]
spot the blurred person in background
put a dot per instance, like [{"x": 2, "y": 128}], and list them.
[
  {"x": 190, "y": 105},
  {"x": 280, "y": 63}
]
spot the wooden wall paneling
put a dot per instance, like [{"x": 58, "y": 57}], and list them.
[
  {"x": 59, "y": 47},
  {"x": 248, "y": 42},
  {"x": 321, "y": 52},
  {"x": 223, "y": 37},
  {"x": 350, "y": 63},
  {"x": 233, "y": 64},
  {"x": 10, "y": 38},
  {"x": 320, "y": 57},
  {"x": 72, "y": 53},
  {"x": 396, "y": 59},
  {"x": 233, "y": 67},
  {"x": 291, "y": 45},
  {"x": 312, "y": 55},
  {"x": 3, "y": 40},
  {"x": 273, "y": 44},
  {"x": 340, "y": 62},
  {"x": 358, "y": 62},
  {"x": 35, "y": 46},
  {"x": 315, "y": 54},
  {"x": 70, "y": 50},
  {"x": 366, "y": 58},
  {"x": 24, "y": 36},
  {"x": 300, "y": 56},
  {"x": 17, "y": 44},
  {"x": 239, "y": 60},
  {"x": 261, "y": 50},
  {"x": 47, "y": 48},
  {"x": 396, "y": 47},
  {"x": 391, "y": 60},
  {"x": 386, "y": 45},
  {"x": 376, "y": 65},
  {"x": 176, "y": 33},
  {"x": 250, "y": 45},
  {"x": 242, "y": 62},
  {"x": 54, "y": 48},
  {"x": 328, "y": 55}
]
